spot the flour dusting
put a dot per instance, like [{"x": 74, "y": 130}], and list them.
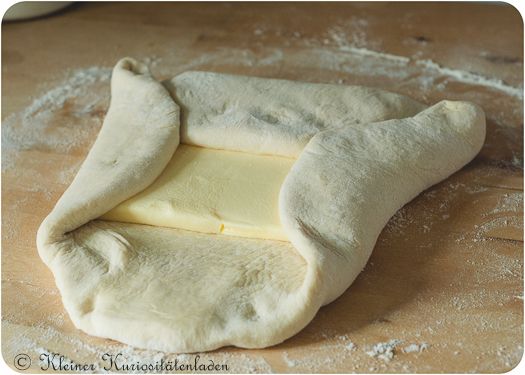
[{"x": 77, "y": 99}]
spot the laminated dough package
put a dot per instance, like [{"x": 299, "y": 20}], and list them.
[{"x": 218, "y": 210}]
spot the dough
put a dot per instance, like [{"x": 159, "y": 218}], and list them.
[
  {"x": 361, "y": 154},
  {"x": 274, "y": 116}
]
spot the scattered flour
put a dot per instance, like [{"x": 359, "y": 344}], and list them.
[
  {"x": 383, "y": 350},
  {"x": 509, "y": 203},
  {"x": 72, "y": 87},
  {"x": 415, "y": 348},
  {"x": 76, "y": 98},
  {"x": 351, "y": 37},
  {"x": 411, "y": 348},
  {"x": 471, "y": 78},
  {"x": 288, "y": 361}
]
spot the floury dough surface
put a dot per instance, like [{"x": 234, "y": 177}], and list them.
[
  {"x": 274, "y": 116},
  {"x": 181, "y": 291},
  {"x": 212, "y": 191}
]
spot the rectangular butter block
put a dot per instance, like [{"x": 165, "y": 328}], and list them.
[{"x": 212, "y": 191}]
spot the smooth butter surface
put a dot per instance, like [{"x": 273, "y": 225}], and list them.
[{"x": 212, "y": 191}]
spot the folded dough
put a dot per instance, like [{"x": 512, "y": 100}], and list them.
[{"x": 361, "y": 154}]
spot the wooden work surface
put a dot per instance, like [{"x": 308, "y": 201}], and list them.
[{"x": 444, "y": 285}]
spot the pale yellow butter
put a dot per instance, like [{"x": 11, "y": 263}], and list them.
[{"x": 212, "y": 191}]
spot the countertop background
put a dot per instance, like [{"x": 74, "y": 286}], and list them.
[{"x": 444, "y": 286}]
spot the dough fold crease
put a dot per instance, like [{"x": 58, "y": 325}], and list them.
[{"x": 361, "y": 154}]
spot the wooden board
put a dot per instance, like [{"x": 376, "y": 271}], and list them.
[{"x": 444, "y": 286}]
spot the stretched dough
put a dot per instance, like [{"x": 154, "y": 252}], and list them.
[{"x": 182, "y": 291}]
